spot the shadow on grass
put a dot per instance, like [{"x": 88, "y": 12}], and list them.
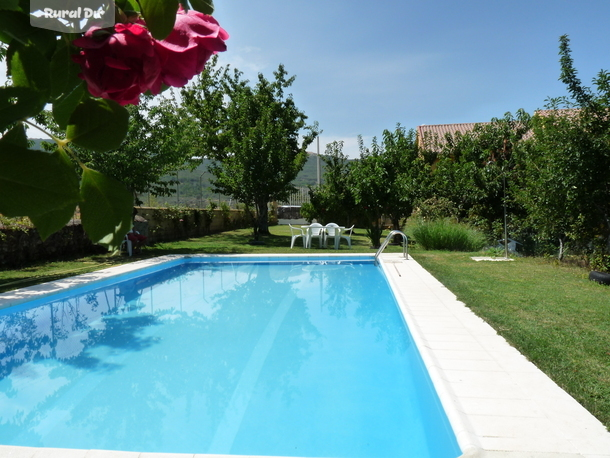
[
  {"x": 37, "y": 273},
  {"x": 229, "y": 242},
  {"x": 236, "y": 242}
]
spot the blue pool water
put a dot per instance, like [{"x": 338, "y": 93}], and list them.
[{"x": 308, "y": 359}]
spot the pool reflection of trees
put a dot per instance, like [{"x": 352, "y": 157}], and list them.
[
  {"x": 217, "y": 312},
  {"x": 236, "y": 324},
  {"x": 118, "y": 316},
  {"x": 43, "y": 331},
  {"x": 358, "y": 282}
]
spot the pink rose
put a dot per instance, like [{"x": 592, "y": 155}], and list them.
[
  {"x": 121, "y": 65},
  {"x": 188, "y": 47}
]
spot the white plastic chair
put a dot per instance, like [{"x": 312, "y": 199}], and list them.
[
  {"x": 128, "y": 245},
  {"x": 347, "y": 235},
  {"x": 296, "y": 232},
  {"x": 315, "y": 230},
  {"x": 332, "y": 230}
]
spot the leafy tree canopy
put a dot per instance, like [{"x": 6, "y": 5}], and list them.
[
  {"x": 568, "y": 162},
  {"x": 476, "y": 170},
  {"x": 151, "y": 151},
  {"x": 388, "y": 179},
  {"x": 255, "y": 135},
  {"x": 333, "y": 201}
]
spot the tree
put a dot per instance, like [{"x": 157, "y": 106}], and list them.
[
  {"x": 369, "y": 187},
  {"x": 476, "y": 171},
  {"x": 333, "y": 201},
  {"x": 252, "y": 134},
  {"x": 151, "y": 151},
  {"x": 568, "y": 179},
  {"x": 407, "y": 172},
  {"x": 388, "y": 179},
  {"x": 550, "y": 192},
  {"x": 159, "y": 142}
]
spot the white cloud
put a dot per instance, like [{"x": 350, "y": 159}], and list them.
[
  {"x": 249, "y": 60},
  {"x": 350, "y": 144}
]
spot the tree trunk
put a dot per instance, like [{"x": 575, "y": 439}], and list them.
[
  {"x": 606, "y": 217},
  {"x": 397, "y": 240},
  {"x": 374, "y": 232},
  {"x": 262, "y": 219}
]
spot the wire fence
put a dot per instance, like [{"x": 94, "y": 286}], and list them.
[{"x": 299, "y": 197}]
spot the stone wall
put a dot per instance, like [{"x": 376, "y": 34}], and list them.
[
  {"x": 167, "y": 224},
  {"x": 22, "y": 246}
]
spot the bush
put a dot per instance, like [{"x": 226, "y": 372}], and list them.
[
  {"x": 308, "y": 211},
  {"x": 436, "y": 208},
  {"x": 600, "y": 261},
  {"x": 446, "y": 235}
]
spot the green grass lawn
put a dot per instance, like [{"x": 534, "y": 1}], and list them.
[
  {"x": 231, "y": 242},
  {"x": 551, "y": 313}
]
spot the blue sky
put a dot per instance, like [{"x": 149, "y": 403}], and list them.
[{"x": 362, "y": 67}]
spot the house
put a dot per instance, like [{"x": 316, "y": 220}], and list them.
[{"x": 433, "y": 136}]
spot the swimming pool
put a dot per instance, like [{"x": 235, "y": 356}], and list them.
[{"x": 267, "y": 356}]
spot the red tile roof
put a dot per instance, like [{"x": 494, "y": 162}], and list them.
[
  {"x": 427, "y": 135},
  {"x": 433, "y": 136}
]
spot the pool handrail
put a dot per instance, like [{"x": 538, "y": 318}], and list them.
[{"x": 405, "y": 244}]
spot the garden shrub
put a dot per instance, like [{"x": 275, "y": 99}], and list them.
[
  {"x": 600, "y": 261},
  {"x": 225, "y": 212},
  {"x": 443, "y": 234},
  {"x": 436, "y": 208},
  {"x": 308, "y": 211}
]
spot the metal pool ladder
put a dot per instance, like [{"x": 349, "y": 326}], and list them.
[{"x": 405, "y": 244}]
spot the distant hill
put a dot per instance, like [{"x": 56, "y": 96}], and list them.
[
  {"x": 37, "y": 143},
  {"x": 308, "y": 176},
  {"x": 195, "y": 188}
]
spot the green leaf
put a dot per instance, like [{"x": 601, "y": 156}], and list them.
[
  {"x": 98, "y": 124},
  {"x": 9, "y": 5},
  {"x": 14, "y": 24},
  {"x": 15, "y": 27},
  {"x": 160, "y": 16},
  {"x": 127, "y": 11},
  {"x": 65, "y": 105},
  {"x": 29, "y": 68},
  {"x": 17, "y": 103},
  {"x": 203, "y": 6},
  {"x": 64, "y": 71},
  {"x": 16, "y": 136},
  {"x": 127, "y": 5},
  {"x": 51, "y": 222},
  {"x": 33, "y": 183},
  {"x": 106, "y": 209}
]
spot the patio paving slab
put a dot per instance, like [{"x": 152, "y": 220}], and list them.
[{"x": 500, "y": 404}]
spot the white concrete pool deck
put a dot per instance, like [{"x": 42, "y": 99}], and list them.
[
  {"x": 505, "y": 406},
  {"x": 500, "y": 404}
]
